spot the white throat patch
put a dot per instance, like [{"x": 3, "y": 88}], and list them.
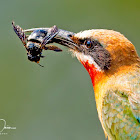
[{"x": 84, "y": 58}]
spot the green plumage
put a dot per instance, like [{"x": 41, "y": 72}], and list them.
[{"x": 121, "y": 108}]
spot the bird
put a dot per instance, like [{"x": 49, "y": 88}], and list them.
[{"x": 114, "y": 67}]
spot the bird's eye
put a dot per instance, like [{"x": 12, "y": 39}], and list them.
[{"x": 88, "y": 43}]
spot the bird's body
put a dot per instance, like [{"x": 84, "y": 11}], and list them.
[{"x": 118, "y": 104}]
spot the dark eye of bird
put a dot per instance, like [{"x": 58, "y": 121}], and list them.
[{"x": 88, "y": 43}]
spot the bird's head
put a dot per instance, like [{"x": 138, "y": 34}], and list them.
[{"x": 100, "y": 51}]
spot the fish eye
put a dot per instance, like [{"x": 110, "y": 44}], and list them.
[{"x": 88, "y": 43}]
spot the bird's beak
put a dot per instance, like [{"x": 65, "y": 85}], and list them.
[{"x": 65, "y": 38}]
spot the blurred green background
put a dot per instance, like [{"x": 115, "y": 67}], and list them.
[{"x": 55, "y": 102}]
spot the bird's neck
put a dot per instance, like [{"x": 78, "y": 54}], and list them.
[{"x": 93, "y": 71}]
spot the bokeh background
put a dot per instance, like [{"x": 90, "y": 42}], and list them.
[{"x": 55, "y": 102}]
